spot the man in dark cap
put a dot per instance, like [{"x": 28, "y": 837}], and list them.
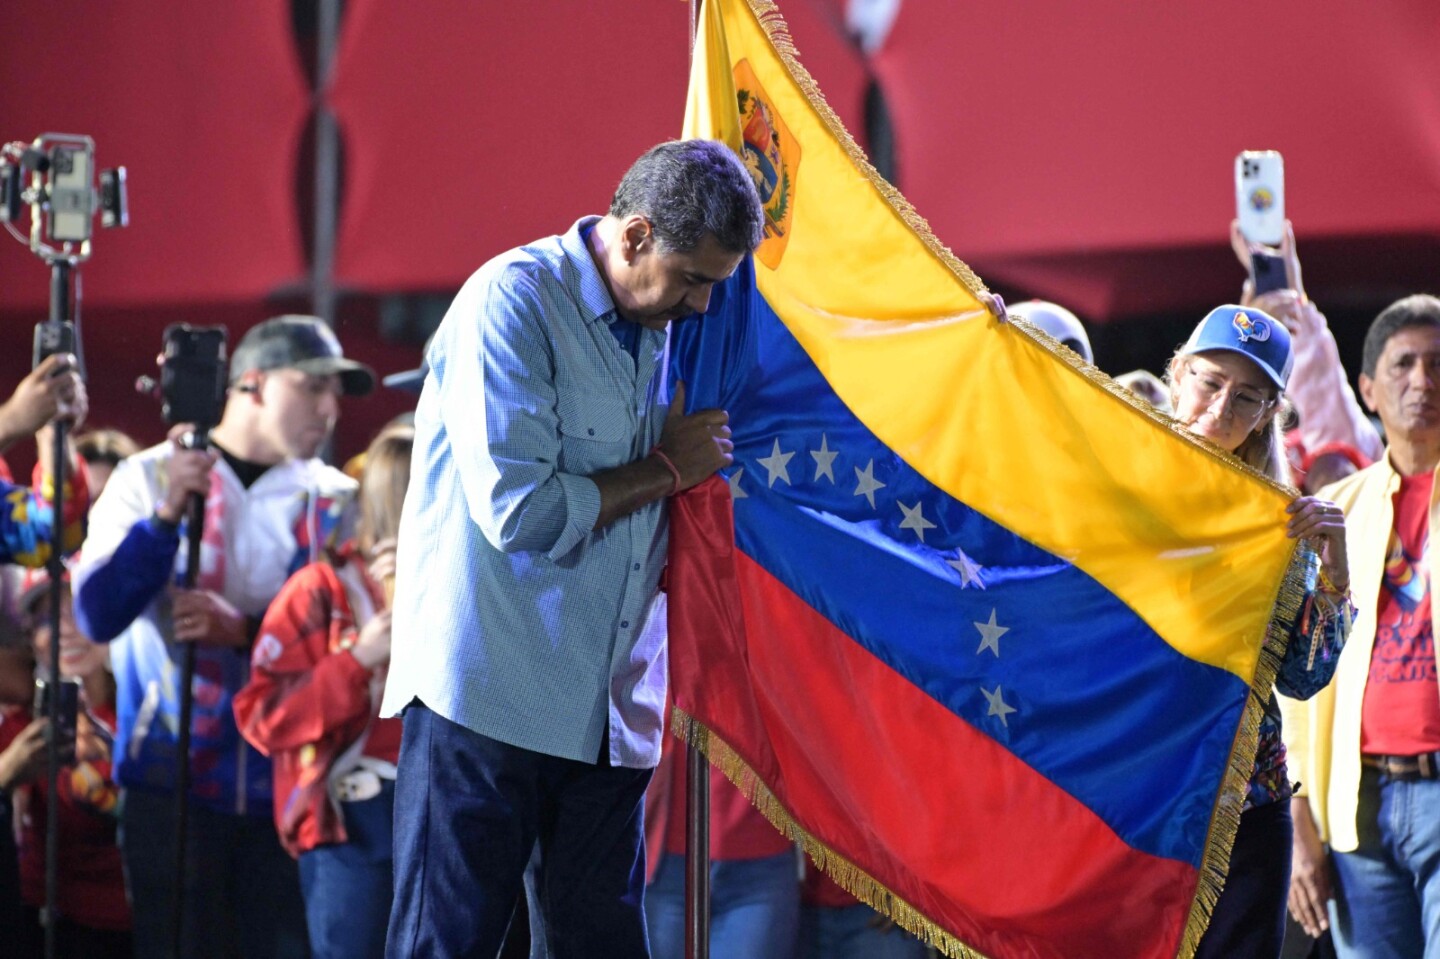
[{"x": 271, "y": 507}]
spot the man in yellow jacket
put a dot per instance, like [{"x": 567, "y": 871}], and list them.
[{"x": 1367, "y": 748}]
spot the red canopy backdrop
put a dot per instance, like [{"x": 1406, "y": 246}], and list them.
[
  {"x": 204, "y": 103},
  {"x": 1082, "y": 154},
  {"x": 469, "y": 128},
  {"x": 1073, "y": 150}
]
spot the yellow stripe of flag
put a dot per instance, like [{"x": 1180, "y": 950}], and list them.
[{"x": 980, "y": 407}]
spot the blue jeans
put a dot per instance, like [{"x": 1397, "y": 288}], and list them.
[
  {"x": 348, "y": 886},
  {"x": 854, "y": 932},
  {"x": 469, "y": 813},
  {"x": 1387, "y": 896},
  {"x": 754, "y": 907},
  {"x": 242, "y": 889}
]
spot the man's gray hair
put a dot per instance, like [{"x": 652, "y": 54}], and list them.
[
  {"x": 1418, "y": 309},
  {"x": 688, "y": 188}
]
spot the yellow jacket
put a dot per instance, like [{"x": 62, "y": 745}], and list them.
[{"x": 1323, "y": 733}]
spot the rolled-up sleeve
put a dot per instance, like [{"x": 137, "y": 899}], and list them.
[
  {"x": 1316, "y": 640},
  {"x": 495, "y": 372},
  {"x": 514, "y": 616}
]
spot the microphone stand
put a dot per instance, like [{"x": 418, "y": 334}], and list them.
[
  {"x": 194, "y": 530},
  {"x": 61, "y": 311}
]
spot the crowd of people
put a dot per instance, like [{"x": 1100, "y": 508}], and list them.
[{"x": 353, "y": 795}]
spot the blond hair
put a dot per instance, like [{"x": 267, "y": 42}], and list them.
[
  {"x": 105, "y": 446},
  {"x": 383, "y": 483}
]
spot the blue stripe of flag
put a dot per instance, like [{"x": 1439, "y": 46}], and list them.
[{"x": 1103, "y": 707}]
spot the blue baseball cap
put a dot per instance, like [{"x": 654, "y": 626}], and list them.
[{"x": 1251, "y": 332}]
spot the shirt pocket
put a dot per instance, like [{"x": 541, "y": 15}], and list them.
[{"x": 597, "y": 431}]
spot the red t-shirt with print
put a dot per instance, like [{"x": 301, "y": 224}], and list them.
[{"x": 1401, "y": 716}]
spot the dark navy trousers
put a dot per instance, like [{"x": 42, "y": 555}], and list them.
[
  {"x": 1249, "y": 918},
  {"x": 469, "y": 813}
]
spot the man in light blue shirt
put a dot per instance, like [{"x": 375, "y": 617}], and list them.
[{"x": 529, "y": 650}]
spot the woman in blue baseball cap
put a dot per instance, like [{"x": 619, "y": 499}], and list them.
[{"x": 1227, "y": 385}]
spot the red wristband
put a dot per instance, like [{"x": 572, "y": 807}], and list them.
[{"x": 674, "y": 473}]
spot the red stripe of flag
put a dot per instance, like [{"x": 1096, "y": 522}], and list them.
[{"x": 869, "y": 760}]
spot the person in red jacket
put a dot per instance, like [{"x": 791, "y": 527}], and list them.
[{"x": 311, "y": 704}]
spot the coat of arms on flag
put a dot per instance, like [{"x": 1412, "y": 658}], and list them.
[{"x": 771, "y": 155}]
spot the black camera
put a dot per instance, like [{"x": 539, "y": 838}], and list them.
[
  {"x": 51, "y": 337},
  {"x": 192, "y": 375},
  {"x": 114, "y": 207},
  {"x": 68, "y": 691},
  {"x": 62, "y": 197}
]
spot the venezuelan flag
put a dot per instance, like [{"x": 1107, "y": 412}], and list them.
[{"x": 978, "y": 630}]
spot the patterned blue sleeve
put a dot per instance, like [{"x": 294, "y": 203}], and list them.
[
  {"x": 1316, "y": 639},
  {"x": 27, "y": 525},
  {"x": 119, "y": 589}
]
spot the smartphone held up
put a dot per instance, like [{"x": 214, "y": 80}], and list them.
[
  {"x": 1260, "y": 196},
  {"x": 1267, "y": 273}
]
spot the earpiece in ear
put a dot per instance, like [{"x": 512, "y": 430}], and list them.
[{"x": 247, "y": 388}]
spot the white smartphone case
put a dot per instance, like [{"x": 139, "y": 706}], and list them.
[{"x": 1260, "y": 196}]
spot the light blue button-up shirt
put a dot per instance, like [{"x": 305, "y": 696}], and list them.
[{"x": 513, "y": 617}]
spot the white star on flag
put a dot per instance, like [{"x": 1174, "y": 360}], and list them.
[
  {"x": 776, "y": 464},
  {"x": 990, "y": 634},
  {"x": 824, "y": 459},
  {"x": 968, "y": 569},
  {"x": 867, "y": 484},
  {"x": 997, "y": 705},
  {"x": 915, "y": 519},
  {"x": 735, "y": 491}
]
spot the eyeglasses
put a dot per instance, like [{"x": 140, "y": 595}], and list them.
[{"x": 1245, "y": 403}]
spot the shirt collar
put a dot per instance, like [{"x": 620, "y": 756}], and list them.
[
  {"x": 583, "y": 278},
  {"x": 1393, "y": 476}
]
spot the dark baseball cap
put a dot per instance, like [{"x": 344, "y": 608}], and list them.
[{"x": 303, "y": 343}]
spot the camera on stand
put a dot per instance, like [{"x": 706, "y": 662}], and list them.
[
  {"x": 62, "y": 201},
  {"x": 62, "y": 196},
  {"x": 192, "y": 376}
]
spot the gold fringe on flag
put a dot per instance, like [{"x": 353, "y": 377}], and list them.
[
  {"x": 1224, "y": 824},
  {"x": 1290, "y": 596},
  {"x": 1225, "y": 819}
]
